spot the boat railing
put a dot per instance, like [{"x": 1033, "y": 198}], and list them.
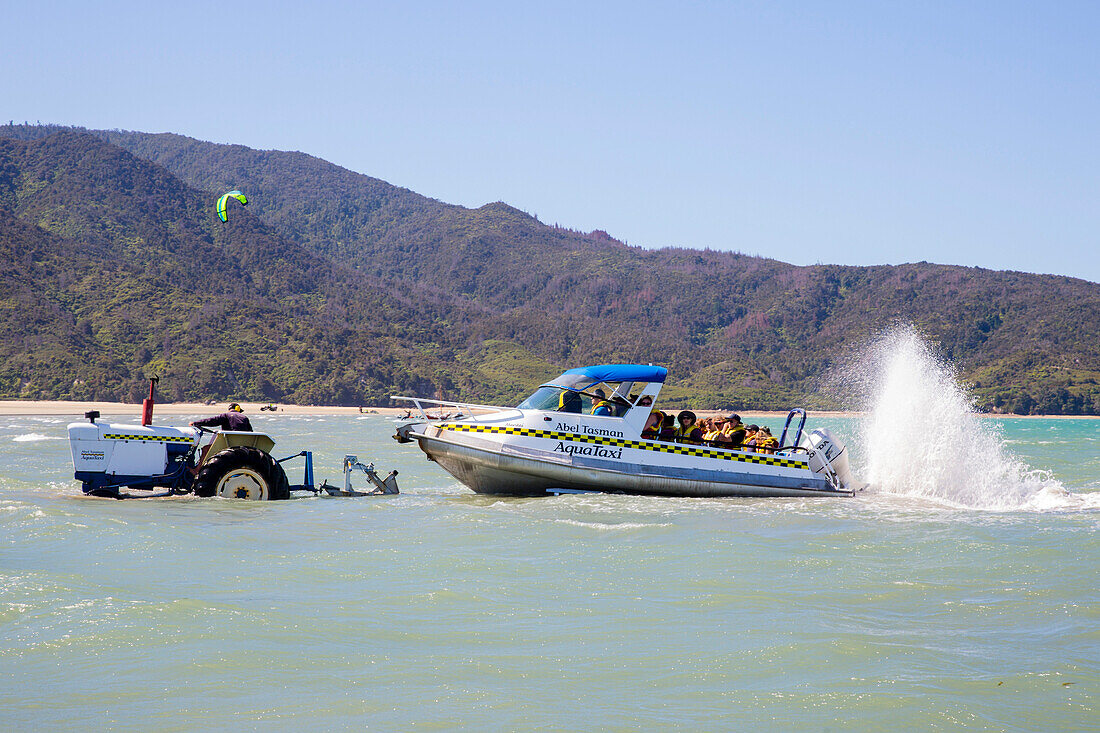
[
  {"x": 468, "y": 410},
  {"x": 796, "y": 437}
]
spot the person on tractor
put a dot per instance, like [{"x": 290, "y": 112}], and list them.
[{"x": 234, "y": 419}]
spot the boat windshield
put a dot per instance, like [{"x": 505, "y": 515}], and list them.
[
  {"x": 575, "y": 382},
  {"x": 582, "y": 396}
]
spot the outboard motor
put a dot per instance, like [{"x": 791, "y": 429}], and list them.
[{"x": 829, "y": 457}]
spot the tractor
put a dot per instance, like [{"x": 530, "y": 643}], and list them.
[{"x": 109, "y": 457}]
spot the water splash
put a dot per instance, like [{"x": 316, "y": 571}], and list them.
[
  {"x": 922, "y": 439},
  {"x": 33, "y": 438}
]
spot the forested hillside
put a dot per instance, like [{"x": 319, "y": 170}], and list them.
[
  {"x": 336, "y": 287},
  {"x": 114, "y": 270}
]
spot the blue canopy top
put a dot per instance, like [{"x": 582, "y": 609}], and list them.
[{"x": 621, "y": 373}]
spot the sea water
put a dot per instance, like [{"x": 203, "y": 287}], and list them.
[{"x": 958, "y": 591}]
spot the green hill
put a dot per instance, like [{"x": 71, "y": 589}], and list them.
[
  {"x": 114, "y": 270},
  {"x": 354, "y": 288}
]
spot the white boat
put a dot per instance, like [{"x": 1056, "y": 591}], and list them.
[{"x": 552, "y": 443}]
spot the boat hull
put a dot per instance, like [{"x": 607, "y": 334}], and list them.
[{"x": 488, "y": 470}]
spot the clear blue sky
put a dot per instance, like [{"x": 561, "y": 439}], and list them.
[{"x": 857, "y": 133}]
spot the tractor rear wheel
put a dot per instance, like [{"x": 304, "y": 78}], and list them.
[{"x": 242, "y": 473}]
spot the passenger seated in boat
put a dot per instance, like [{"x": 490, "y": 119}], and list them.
[
  {"x": 766, "y": 442},
  {"x": 652, "y": 429},
  {"x": 733, "y": 431},
  {"x": 668, "y": 428},
  {"x": 749, "y": 442},
  {"x": 688, "y": 432},
  {"x": 712, "y": 433},
  {"x": 569, "y": 401},
  {"x": 601, "y": 406}
]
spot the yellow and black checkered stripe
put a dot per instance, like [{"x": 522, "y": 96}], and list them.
[
  {"x": 154, "y": 438},
  {"x": 680, "y": 449}
]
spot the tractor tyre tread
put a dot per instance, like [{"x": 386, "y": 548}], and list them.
[{"x": 216, "y": 466}]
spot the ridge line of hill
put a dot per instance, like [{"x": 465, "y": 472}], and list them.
[{"x": 382, "y": 290}]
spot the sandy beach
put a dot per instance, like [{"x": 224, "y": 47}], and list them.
[{"x": 77, "y": 410}]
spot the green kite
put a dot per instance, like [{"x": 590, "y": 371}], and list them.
[{"x": 225, "y": 198}]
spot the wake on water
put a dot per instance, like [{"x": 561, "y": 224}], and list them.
[
  {"x": 33, "y": 438},
  {"x": 922, "y": 439}
]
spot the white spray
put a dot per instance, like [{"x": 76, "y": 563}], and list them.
[{"x": 923, "y": 440}]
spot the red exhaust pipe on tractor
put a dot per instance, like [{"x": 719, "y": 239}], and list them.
[{"x": 147, "y": 403}]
